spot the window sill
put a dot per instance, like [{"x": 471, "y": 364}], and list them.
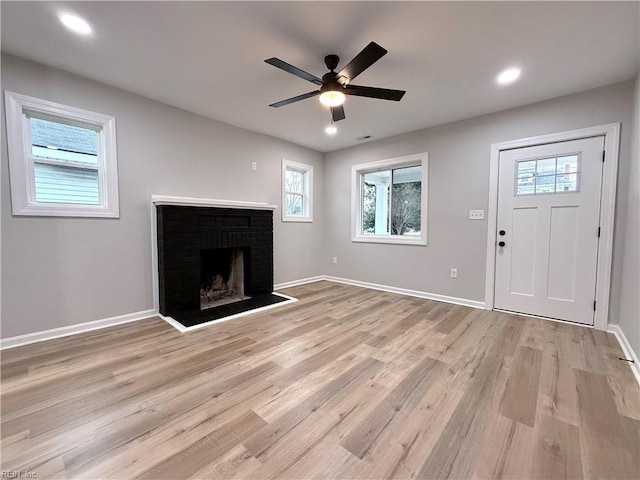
[
  {"x": 390, "y": 240},
  {"x": 87, "y": 211},
  {"x": 298, "y": 219}
]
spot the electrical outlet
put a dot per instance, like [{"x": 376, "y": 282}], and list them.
[
  {"x": 334, "y": 260},
  {"x": 476, "y": 214},
  {"x": 254, "y": 166},
  {"x": 454, "y": 273}
]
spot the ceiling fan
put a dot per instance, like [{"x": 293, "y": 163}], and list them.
[{"x": 335, "y": 85}]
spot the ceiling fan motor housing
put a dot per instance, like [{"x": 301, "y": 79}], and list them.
[
  {"x": 331, "y": 86},
  {"x": 331, "y": 61}
]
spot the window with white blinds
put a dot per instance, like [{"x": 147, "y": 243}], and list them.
[{"x": 62, "y": 159}]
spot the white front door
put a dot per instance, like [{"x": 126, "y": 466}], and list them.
[{"x": 548, "y": 228}]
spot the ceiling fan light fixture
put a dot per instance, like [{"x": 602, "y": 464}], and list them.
[{"x": 332, "y": 98}]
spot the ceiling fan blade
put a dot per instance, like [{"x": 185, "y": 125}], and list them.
[
  {"x": 276, "y": 62},
  {"x": 373, "y": 92},
  {"x": 282, "y": 103},
  {"x": 367, "y": 57},
  {"x": 337, "y": 113}
]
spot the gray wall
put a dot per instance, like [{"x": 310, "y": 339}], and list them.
[
  {"x": 458, "y": 182},
  {"x": 58, "y": 272},
  {"x": 625, "y": 299}
]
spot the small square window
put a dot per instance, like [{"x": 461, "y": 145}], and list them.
[
  {"x": 567, "y": 183},
  {"x": 545, "y": 184},
  {"x": 568, "y": 164},
  {"x": 526, "y": 169},
  {"x": 297, "y": 192},
  {"x": 548, "y": 175},
  {"x": 546, "y": 166},
  {"x": 62, "y": 159}
]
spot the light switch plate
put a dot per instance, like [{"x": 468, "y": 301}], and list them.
[{"x": 476, "y": 214}]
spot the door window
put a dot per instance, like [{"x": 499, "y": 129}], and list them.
[{"x": 558, "y": 174}]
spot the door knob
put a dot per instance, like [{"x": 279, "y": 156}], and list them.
[
  {"x": 501, "y": 244},
  {"x": 502, "y": 232}
]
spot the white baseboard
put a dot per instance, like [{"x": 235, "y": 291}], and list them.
[
  {"x": 295, "y": 283},
  {"x": 386, "y": 288},
  {"x": 626, "y": 349},
  {"x": 12, "y": 342}
]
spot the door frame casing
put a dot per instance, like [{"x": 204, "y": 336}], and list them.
[{"x": 611, "y": 133}]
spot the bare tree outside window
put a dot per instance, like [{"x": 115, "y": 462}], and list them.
[
  {"x": 294, "y": 188},
  {"x": 394, "y": 198},
  {"x": 406, "y": 208},
  {"x": 369, "y": 208}
]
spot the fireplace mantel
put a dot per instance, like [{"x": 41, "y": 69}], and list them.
[{"x": 209, "y": 202}]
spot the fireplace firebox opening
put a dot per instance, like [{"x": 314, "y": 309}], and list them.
[{"x": 221, "y": 277}]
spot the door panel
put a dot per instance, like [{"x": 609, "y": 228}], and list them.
[
  {"x": 561, "y": 278},
  {"x": 549, "y": 209},
  {"x": 522, "y": 260}
]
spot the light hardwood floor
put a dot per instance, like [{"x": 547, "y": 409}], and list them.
[{"x": 348, "y": 383}]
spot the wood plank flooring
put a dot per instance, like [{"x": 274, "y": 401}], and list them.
[{"x": 347, "y": 383}]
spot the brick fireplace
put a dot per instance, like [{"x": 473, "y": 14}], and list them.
[{"x": 213, "y": 261}]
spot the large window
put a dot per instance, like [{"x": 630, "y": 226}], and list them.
[
  {"x": 297, "y": 192},
  {"x": 62, "y": 160},
  {"x": 389, "y": 200}
]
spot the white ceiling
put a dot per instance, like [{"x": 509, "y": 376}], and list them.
[{"x": 208, "y": 57}]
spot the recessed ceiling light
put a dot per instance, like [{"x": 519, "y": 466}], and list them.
[
  {"x": 75, "y": 24},
  {"x": 331, "y": 130},
  {"x": 508, "y": 76}
]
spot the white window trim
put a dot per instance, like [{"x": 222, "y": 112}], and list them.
[
  {"x": 356, "y": 200},
  {"x": 307, "y": 203},
  {"x": 23, "y": 199}
]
